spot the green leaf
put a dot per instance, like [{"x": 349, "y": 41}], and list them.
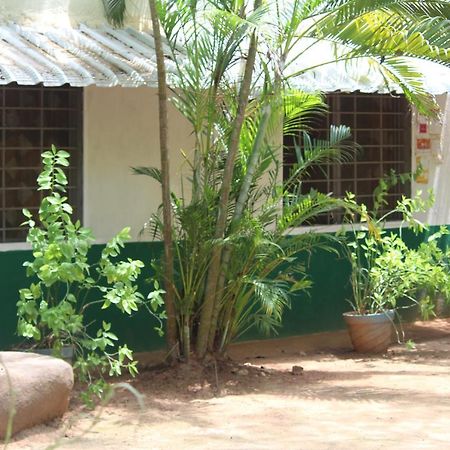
[{"x": 27, "y": 213}]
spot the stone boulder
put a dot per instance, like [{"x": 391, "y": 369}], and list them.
[{"x": 39, "y": 388}]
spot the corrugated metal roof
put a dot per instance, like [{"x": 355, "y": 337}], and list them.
[
  {"x": 80, "y": 57},
  {"x": 111, "y": 57}
]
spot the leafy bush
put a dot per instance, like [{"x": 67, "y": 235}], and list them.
[
  {"x": 384, "y": 270},
  {"x": 52, "y": 309},
  {"x": 394, "y": 272}
]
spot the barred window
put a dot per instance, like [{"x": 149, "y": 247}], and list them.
[
  {"x": 381, "y": 125},
  {"x": 32, "y": 118}
]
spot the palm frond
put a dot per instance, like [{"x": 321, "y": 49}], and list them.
[
  {"x": 301, "y": 209},
  {"x": 399, "y": 71},
  {"x": 115, "y": 11},
  {"x": 384, "y": 32},
  {"x": 314, "y": 152},
  {"x": 152, "y": 172},
  {"x": 299, "y": 107},
  {"x": 272, "y": 295},
  {"x": 389, "y": 34}
]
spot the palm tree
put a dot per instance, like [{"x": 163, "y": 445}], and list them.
[{"x": 235, "y": 62}]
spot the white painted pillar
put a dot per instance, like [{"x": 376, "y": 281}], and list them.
[
  {"x": 435, "y": 162},
  {"x": 440, "y": 213}
]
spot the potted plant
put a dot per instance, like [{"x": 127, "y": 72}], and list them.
[
  {"x": 383, "y": 272},
  {"x": 386, "y": 275},
  {"x": 52, "y": 309}
]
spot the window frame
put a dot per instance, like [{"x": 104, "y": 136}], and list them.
[
  {"x": 44, "y": 106},
  {"x": 334, "y": 117}
]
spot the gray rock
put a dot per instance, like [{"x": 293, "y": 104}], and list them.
[{"x": 38, "y": 389}]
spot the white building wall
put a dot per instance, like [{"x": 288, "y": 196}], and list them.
[
  {"x": 435, "y": 163},
  {"x": 120, "y": 126},
  {"x": 440, "y": 213},
  {"x": 62, "y": 13},
  {"x": 121, "y": 131}
]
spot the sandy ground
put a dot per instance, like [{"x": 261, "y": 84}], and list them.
[{"x": 336, "y": 400}]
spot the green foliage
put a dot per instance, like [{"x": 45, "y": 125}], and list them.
[
  {"x": 258, "y": 264},
  {"x": 385, "y": 270},
  {"x": 262, "y": 270},
  {"x": 115, "y": 11},
  {"x": 232, "y": 256},
  {"x": 389, "y": 34},
  {"x": 51, "y": 310}
]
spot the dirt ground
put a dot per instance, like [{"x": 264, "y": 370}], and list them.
[{"x": 335, "y": 399}]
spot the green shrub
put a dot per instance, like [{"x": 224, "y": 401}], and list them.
[{"x": 51, "y": 310}]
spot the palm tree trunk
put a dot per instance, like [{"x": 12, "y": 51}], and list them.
[
  {"x": 169, "y": 298},
  {"x": 216, "y": 256}
]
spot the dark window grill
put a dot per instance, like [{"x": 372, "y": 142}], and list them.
[
  {"x": 32, "y": 118},
  {"x": 381, "y": 125}
]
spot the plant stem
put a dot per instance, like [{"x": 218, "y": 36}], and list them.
[
  {"x": 238, "y": 211},
  {"x": 214, "y": 269}
]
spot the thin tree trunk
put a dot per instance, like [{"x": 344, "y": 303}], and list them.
[
  {"x": 169, "y": 297},
  {"x": 214, "y": 269}
]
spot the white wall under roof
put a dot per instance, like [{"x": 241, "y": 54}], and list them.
[
  {"x": 62, "y": 13},
  {"x": 436, "y": 164},
  {"x": 121, "y": 131}
]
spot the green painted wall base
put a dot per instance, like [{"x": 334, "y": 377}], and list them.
[
  {"x": 319, "y": 310},
  {"x": 137, "y": 331}
]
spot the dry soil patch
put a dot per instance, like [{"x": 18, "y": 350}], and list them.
[{"x": 336, "y": 400}]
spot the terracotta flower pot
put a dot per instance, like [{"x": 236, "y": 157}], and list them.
[{"x": 370, "y": 333}]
